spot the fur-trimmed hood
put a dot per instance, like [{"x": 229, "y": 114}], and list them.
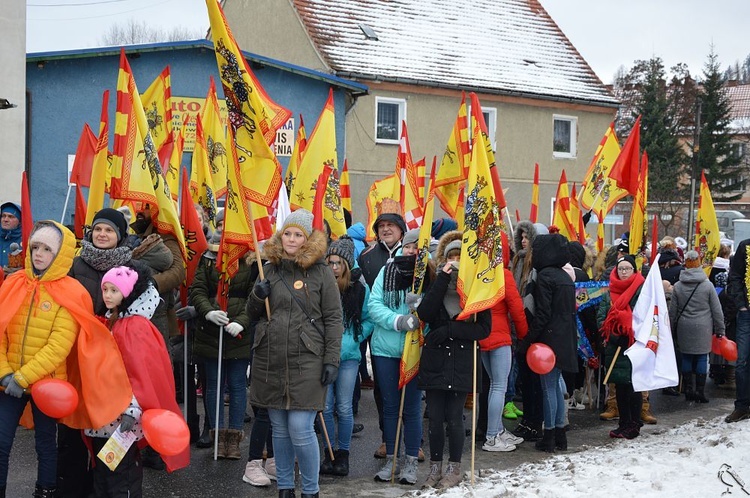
[
  {"x": 523, "y": 226},
  {"x": 312, "y": 251},
  {"x": 446, "y": 239}
]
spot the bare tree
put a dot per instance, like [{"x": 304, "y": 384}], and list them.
[{"x": 134, "y": 32}]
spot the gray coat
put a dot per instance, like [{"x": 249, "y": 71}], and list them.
[
  {"x": 289, "y": 352},
  {"x": 701, "y": 316}
]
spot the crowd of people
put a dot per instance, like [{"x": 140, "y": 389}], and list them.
[{"x": 306, "y": 319}]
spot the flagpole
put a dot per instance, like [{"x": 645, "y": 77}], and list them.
[
  {"x": 612, "y": 365},
  {"x": 185, "y": 371},
  {"x": 257, "y": 253},
  {"x": 474, "y": 409},
  {"x": 398, "y": 432},
  {"x": 219, "y": 394},
  {"x": 65, "y": 206},
  {"x": 325, "y": 433}
]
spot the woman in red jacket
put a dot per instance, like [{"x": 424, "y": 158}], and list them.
[{"x": 497, "y": 357}]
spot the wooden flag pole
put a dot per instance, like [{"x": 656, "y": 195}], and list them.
[
  {"x": 325, "y": 433},
  {"x": 474, "y": 410},
  {"x": 257, "y": 253},
  {"x": 612, "y": 365},
  {"x": 398, "y": 433}
]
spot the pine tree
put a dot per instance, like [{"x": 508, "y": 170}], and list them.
[{"x": 716, "y": 155}]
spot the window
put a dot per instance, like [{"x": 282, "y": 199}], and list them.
[
  {"x": 564, "y": 136},
  {"x": 490, "y": 119},
  {"x": 737, "y": 150},
  {"x": 389, "y": 113}
]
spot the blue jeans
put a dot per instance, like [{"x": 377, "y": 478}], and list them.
[
  {"x": 294, "y": 435},
  {"x": 497, "y": 363},
  {"x": 742, "y": 370},
  {"x": 45, "y": 436},
  {"x": 553, "y": 400},
  {"x": 695, "y": 363},
  {"x": 386, "y": 376},
  {"x": 339, "y": 396},
  {"x": 234, "y": 379}
]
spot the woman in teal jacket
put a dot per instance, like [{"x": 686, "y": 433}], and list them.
[{"x": 357, "y": 328}]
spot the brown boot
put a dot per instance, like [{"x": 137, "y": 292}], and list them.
[
  {"x": 729, "y": 378},
  {"x": 646, "y": 416},
  {"x": 233, "y": 438},
  {"x": 610, "y": 411},
  {"x": 469, "y": 403},
  {"x": 222, "y": 450}
]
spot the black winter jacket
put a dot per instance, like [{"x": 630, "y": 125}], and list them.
[{"x": 448, "y": 366}]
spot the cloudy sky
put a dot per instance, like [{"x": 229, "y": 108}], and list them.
[{"x": 608, "y": 33}]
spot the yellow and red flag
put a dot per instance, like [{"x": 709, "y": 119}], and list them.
[
  {"x": 380, "y": 189},
  {"x": 409, "y": 190},
  {"x": 600, "y": 232},
  {"x": 320, "y": 153},
  {"x": 451, "y": 176},
  {"x": 478, "y": 125},
  {"x": 561, "y": 216},
  {"x": 625, "y": 170},
  {"x": 172, "y": 167},
  {"x": 346, "y": 192},
  {"x": 157, "y": 104},
  {"x": 195, "y": 239},
  {"x": 27, "y": 220},
  {"x": 140, "y": 174},
  {"x": 707, "y": 239},
  {"x": 101, "y": 166},
  {"x": 638, "y": 217},
  {"x": 481, "y": 283},
  {"x": 576, "y": 216},
  {"x": 84, "y": 160},
  {"x": 598, "y": 190},
  {"x": 534, "y": 212},
  {"x": 202, "y": 188},
  {"x": 215, "y": 140},
  {"x": 300, "y": 142},
  {"x": 80, "y": 213},
  {"x": 253, "y": 117}
]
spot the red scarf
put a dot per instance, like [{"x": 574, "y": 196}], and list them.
[{"x": 619, "y": 319}]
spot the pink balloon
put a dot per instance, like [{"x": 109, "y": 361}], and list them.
[
  {"x": 540, "y": 358},
  {"x": 165, "y": 431},
  {"x": 729, "y": 350},
  {"x": 56, "y": 398}
]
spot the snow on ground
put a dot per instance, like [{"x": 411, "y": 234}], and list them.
[{"x": 680, "y": 462}]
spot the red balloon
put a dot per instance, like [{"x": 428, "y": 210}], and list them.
[
  {"x": 729, "y": 350},
  {"x": 56, "y": 398},
  {"x": 165, "y": 431},
  {"x": 716, "y": 344},
  {"x": 540, "y": 358}
]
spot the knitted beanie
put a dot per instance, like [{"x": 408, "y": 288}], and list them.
[
  {"x": 47, "y": 234},
  {"x": 302, "y": 219},
  {"x": 343, "y": 248},
  {"x": 454, "y": 244},
  {"x": 122, "y": 277},
  {"x": 113, "y": 218},
  {"x": 627, "y": 257},
  {"x": 411, "y": 237},
  {"x": 11, "y": 208},
  {"x": 442, "y": 225}
]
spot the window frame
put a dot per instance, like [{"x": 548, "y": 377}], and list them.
[
  {"x": 401, "y": 118},
  {"x": 491, "y": 124},
  {"x": 573, "y": 120}
]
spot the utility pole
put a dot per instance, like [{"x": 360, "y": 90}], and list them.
[{"x": 694, "y": 172}]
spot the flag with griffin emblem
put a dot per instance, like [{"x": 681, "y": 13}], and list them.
[
  {"x": 707, "y": 240},
  {"x": 195, "y": 239},
  {"x": 157, "y": 104},
  {"x": 638, "y": 217},
  {"x": 215, "y": 140},
  {"x": 202, "y": 187},
  {"x": 451, "y": 176},
  {"x": 599, "y": 192},
  {"x": 481, "y": 283},
  {"x": 380, "y": 190},
  {"x": 172, "y": 167}
]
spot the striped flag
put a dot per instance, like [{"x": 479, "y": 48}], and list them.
[
  {"x": 346, "y": 193},
  {"x": 300, "y": 143},
  {"x": 157, "y": 104},
  {"x": 534, "y": 213},
  {"x": 100, "y": 168}
]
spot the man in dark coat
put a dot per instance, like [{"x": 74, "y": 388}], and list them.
[
  {"x": 737, "y": 292},
  {"x": 389, "y": 228}
]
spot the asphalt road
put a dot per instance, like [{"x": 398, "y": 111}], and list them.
[{"x": 206, "y": 478}]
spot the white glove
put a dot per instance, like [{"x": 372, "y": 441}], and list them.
[
  {"x": 413, "y": 300},
  {"x": 406, "y": 322},
  {"x": 218, "y": 317},
  {"x": 234, "y": 329}
]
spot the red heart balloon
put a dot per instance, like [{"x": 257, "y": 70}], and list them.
[
  {"x": 56, "y": 398},
  {"x": 729, "y": 350},
  {"x": 165, "y": 431},
  {"x": 540, "y": 358},
  {"x": 716, "y": 343}
]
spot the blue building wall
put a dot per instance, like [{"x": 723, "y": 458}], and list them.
[{"x": 66, "y": 91}]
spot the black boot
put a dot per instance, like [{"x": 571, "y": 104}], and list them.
[
  {"x": 205, "y": 440},
  {"x": 528, "y": 431},
  {"x": 307, "y": 495},
  {"x": 700, "y": 386},
  {"x": 326, "y": 466},
  {"x": 341, "y": 464},
  {"x": 286, "y": 493},
  {"x": 687, "y": 386},
  {"x": 548, "y": 441},
  {"x": 561, "y": 439},
  {"x": 40, "y": 492}
]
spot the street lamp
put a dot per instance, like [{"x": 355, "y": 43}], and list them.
[{"x": 694, "y": 170}]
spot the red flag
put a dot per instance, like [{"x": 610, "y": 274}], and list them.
[
  {"x": 320, "y": 192},
  {"x": 84, "y": 160},
  {"x": 518, "y": 217},
  {"x": 535, "y": 196},
  {"x": 80, "y": 216},
  {"x": 27, "y": 221},
  {"x": 195, "y": 240},
  {"x": 625, "y": 169}
]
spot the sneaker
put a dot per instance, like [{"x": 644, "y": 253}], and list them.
[
  {"x": 617, "y": 433},
  {"x": 436, "y": 473},
  {"x": 508, "y": 437},
  {"x": 517, "y": 410},
  {"x": 357, "y": 428},
  {"x": 496, "y": 443},
  {"x": 255, "y": 474},
  {"x": 631, "y": 432},
  {"x": 528, "y": 433},
  {"x": 452, "y": 477},
  {"x": 385, "y": 472},
  {"x": 574, "y": 405},
  {"x": 737, "y": 415},
  {"x": 409, "y": 472},
  {"x": 509, "y": 412},
  {"x": 271, "y": 468}
]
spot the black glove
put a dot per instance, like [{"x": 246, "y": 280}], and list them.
[
  {"x": 521, "y": 349},
  {"x": 262, "y": 289},
  {"x": 330, "y": 373},
  {"x": 186, "y": 313},
  {"x": 126, "y": 422},
  {"x": 436, "y": 337},
  {"x": 586, "y": 217},
  {"x": 13, "y": 389}
]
